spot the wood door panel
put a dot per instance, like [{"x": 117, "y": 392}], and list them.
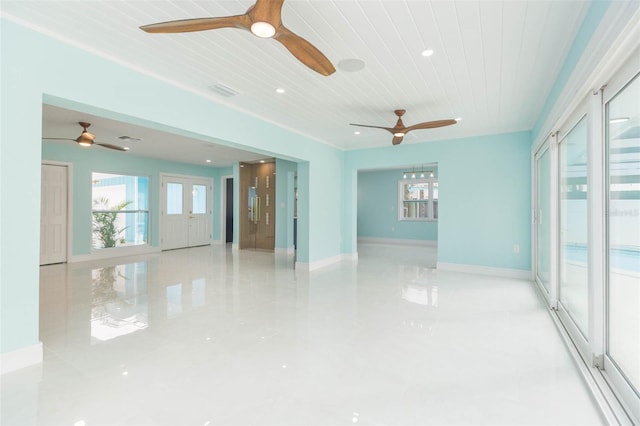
[{"x": 257, "y": 181}]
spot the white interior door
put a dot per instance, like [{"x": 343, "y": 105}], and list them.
[
  {"x": 187, "y": 214},
  {"x": 53, "y": 214},
  {"x": 200, "y": 212}
]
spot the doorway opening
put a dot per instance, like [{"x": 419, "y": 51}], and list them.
[
  {"x": 227, "y": 208},
  {"x": 399, "y": 207}
]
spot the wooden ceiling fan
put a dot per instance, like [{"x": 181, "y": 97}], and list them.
[
  {"x": 399, "y": 130},
  {"x": 87, "y": 139},
  {"x": 263, "y": 19}
]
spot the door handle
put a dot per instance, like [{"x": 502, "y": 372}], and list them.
[{"x": 257, "y": 214}]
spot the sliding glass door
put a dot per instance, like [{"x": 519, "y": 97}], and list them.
[
  {"x": 623, "y": 235},
  {"x": 586, "y": 181},
  {"x": 573, "y": 227},
  {"x": 542, "y": 218}
]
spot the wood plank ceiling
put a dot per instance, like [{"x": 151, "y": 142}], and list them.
[{"x": 494, "y": 62}]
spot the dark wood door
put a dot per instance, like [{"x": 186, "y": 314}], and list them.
[{"x": 257, "y": 203}]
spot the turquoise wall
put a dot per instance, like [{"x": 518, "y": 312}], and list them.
[
  {"x": 35, "y": 69},
  {"x": 484, "y": 181},
  {"x": 86, "y": 161},
  {"x": 484, "y": 195},
  {"x": 378, "y": 209}
]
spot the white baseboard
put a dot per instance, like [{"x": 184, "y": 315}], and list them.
[
  {"x": 353, "y": 257},
  {"x": 115, "y": 252},
  {"x": 284, "y": 251},
  {"x": 312, "y": 266},
  {"x": 486, "y": 270},
  {"x": 21, "y": 358},
  {"x": 398, "y": 241}
]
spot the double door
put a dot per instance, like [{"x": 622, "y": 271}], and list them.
[
  {"x": 257, "y": 204},
  {"x": 187, "y": 217}
]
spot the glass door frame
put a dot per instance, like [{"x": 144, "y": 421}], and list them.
[
  {"x": 581, "y": 338},
  {"x": 548, "y": 148},
  {"x": 611, "y": 373}
]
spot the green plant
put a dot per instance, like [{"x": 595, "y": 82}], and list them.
[{"x": 105, "y": 228}]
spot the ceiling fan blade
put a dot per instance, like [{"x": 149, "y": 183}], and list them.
[
  {"x": 388, "y": 129},
  {"x": 431, "y": 125},
  {"x": 199, "y": 24},
  {"x": 397, "y": 140},
  {"x": 58, "y": 139},
  {"x": 306, "y": 52},
  {"x": 108, "y": 145},
  {"x": 267, "y": 11}
]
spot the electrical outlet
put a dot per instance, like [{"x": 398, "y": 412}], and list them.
[{"x": 516, "y": 248}]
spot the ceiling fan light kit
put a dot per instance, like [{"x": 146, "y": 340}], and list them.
[
  {"x": 84, "y": 142},
  {"x": 263, "y": 29},
  {"x": 400, "y": 130},
  {"x": 264, "y": 20},
  {"x": 87, "y": 139}
]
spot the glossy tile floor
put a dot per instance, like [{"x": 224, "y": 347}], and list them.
[{"x": 205, "y": 336}]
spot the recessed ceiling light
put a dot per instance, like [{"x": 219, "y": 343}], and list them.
[
  {"x": 356, "y": 132},
  {"x": 126, "y": 148},
  {"x": 262, "y": 161},
  {"x": 458, "y": 119},
  {"x": 208, "y": 161},
  {"x": 618, "y": 120},
  {"x": 280, "y": 90},
  {"x": 427, "y": 52}
]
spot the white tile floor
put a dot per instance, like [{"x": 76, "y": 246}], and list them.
[{"x": 203, "y": 336}]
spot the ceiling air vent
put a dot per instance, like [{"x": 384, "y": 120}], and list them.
[
  {"x": 224, "y": 90},
  {"x": 129, "y": 138}
]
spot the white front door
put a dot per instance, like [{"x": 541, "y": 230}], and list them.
[
  {"x": 187, "y": 213},
  {"x": 53, "y": 214}
]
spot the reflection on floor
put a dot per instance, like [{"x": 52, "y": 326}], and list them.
[{"x": 205, "y": 336}]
